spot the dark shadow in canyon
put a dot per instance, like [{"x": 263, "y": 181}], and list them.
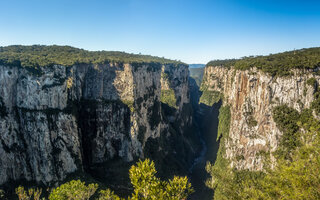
[{"x": 206, "y": 123}]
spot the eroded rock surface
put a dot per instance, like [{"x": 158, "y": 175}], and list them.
[
  {"x": 63, "y": 119},
  {"x": 252, "y": 95}
]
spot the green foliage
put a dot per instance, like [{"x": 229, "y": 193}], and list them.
[
  {"x": 144, "y": 181},
  {"x": 224, "y": 63},
  {"x": 168, "y": 97},
  {"x": 1, "y": 194},
  {"x": 286, "y": 119},
  {"x": 224, "y": 122},
  {"x": 276, "y": 64},
  {"x": 108, "y": 195},
  {"x": 252, "y": 122},
  {"x": 36, "y": 56},
  {"x": 294, "y": 178},
  {"x": 298, "y": 179},
  {"x": 178, "y": 188},
  {"x": 210, "y": 97},
  {"x": 312, "y": 82},
  {"x": 143, "y": 178},
  {"x": 31, "y": 194},
  {"x": 129, "y": 103},
  {"x": 316, "y": 103},
  {"x": 147, "y": 186},
  {"x": 73, "y": 190}
]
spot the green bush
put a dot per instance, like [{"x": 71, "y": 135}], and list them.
[
  {"x": 28, "y": 195},
  {"x": 74, "y": 189},
  {"x": 147, "y": 186},
  {"x": 168, "y": 97},
  {"x": 224, "y": 122},
  {"x": 296, "y": 178},
  {"x": 312, "y": 82},
  {"x": 286, "y": 119},
  {"x": 316, "y": 103},
  {"x": 210, "y": 97},
  {"x": 252, "y": 122},
  {"x": 142, "y": 176}
]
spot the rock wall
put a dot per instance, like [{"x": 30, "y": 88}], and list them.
[
  {"x": 58, "y": 120},
  {"x": 252, "y": 95}
]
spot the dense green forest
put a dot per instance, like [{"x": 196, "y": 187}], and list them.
[
  {"x": 276, "y": 64},
  {"x": 42, "y": 56},
  {"x": 146, "y": 186},
  {"x": 297, "y": 167}
]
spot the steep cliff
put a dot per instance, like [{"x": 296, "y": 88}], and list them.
[
  {"x": 58, "y": 119},
  {"x": 252, "y": 95}
]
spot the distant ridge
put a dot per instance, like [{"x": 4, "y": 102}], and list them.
[{"x": 196, "y": 65}]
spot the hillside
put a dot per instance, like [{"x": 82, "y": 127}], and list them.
[
  {"x": 41, "y": 56},
  {"x": 278, "y": 64}
]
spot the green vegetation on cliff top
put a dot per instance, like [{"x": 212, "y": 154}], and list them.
[
  {"x": 41, "y": 56},
  {"x": 276, "y": 64}
]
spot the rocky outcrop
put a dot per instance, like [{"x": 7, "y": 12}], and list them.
[
  {"x": 252, "y": 95},
  {"x": 59, "y": 120}
]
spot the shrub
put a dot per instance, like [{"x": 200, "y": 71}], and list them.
[
  {"x": 224, "y": 122},
  {"x": 286, "y": 119},
  {"x": 73, "y": 190},
  {"x": 143, "y": 178},
  {"x": 312, "y": 82},
  {"x": 168, "y": 97},
  {"x": 28, "y": 195},
  {"x": 210, "y": 97},
  {"x": 147, "y": 186}
]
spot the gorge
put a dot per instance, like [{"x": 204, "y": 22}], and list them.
[{"x": 67, "y": 113}]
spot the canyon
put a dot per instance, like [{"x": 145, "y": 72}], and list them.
[
  {"x": 87, "y": 118},
  {"x": 252, "y": 95},
  {"x": 94, "y": 114}
]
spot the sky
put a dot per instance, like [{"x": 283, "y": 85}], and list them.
[{"x": 193, "y": 31}]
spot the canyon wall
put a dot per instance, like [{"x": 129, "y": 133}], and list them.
[
  {"x": 59, "y": 120},
  {"x": 252, "y": 95}
]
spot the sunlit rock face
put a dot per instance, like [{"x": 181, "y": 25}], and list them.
[
  {"x": 62, "y": 119},
  {"x": 252, "y": 95}
]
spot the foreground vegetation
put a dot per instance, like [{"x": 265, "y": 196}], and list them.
[
  {"x": 297, "y": 167},
  {"x": 42, "y": 56},
  {"x": 276, "y": 64},
  {"x": 146, "y": 186}
]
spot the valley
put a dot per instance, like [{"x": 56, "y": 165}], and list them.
[{"x": 69, "y": 114}]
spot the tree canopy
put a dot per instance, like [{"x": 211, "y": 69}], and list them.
[
  {"x": 42, "y": 56},
  {"x": 276, "y": 64}
]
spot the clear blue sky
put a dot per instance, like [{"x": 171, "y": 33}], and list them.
[{"x": 193, "y": 31}]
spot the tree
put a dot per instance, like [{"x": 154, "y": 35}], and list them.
[
  {"x": 143, "y": 178},
  {"x": 27, "y": 195},
  {"x": 73, "y": 190},
  {"x": 147, "y": 186}
]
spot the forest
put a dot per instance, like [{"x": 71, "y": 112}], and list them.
[
  {"x": 36, "y": 56},
  {"x": 278, "y": 64}
]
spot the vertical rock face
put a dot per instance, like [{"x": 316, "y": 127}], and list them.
[
  {"x": 63, "y": 119},
  {"x": 252, "y": 95}
]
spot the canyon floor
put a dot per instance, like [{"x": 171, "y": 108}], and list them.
[{"x": 206, "y": 119}]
